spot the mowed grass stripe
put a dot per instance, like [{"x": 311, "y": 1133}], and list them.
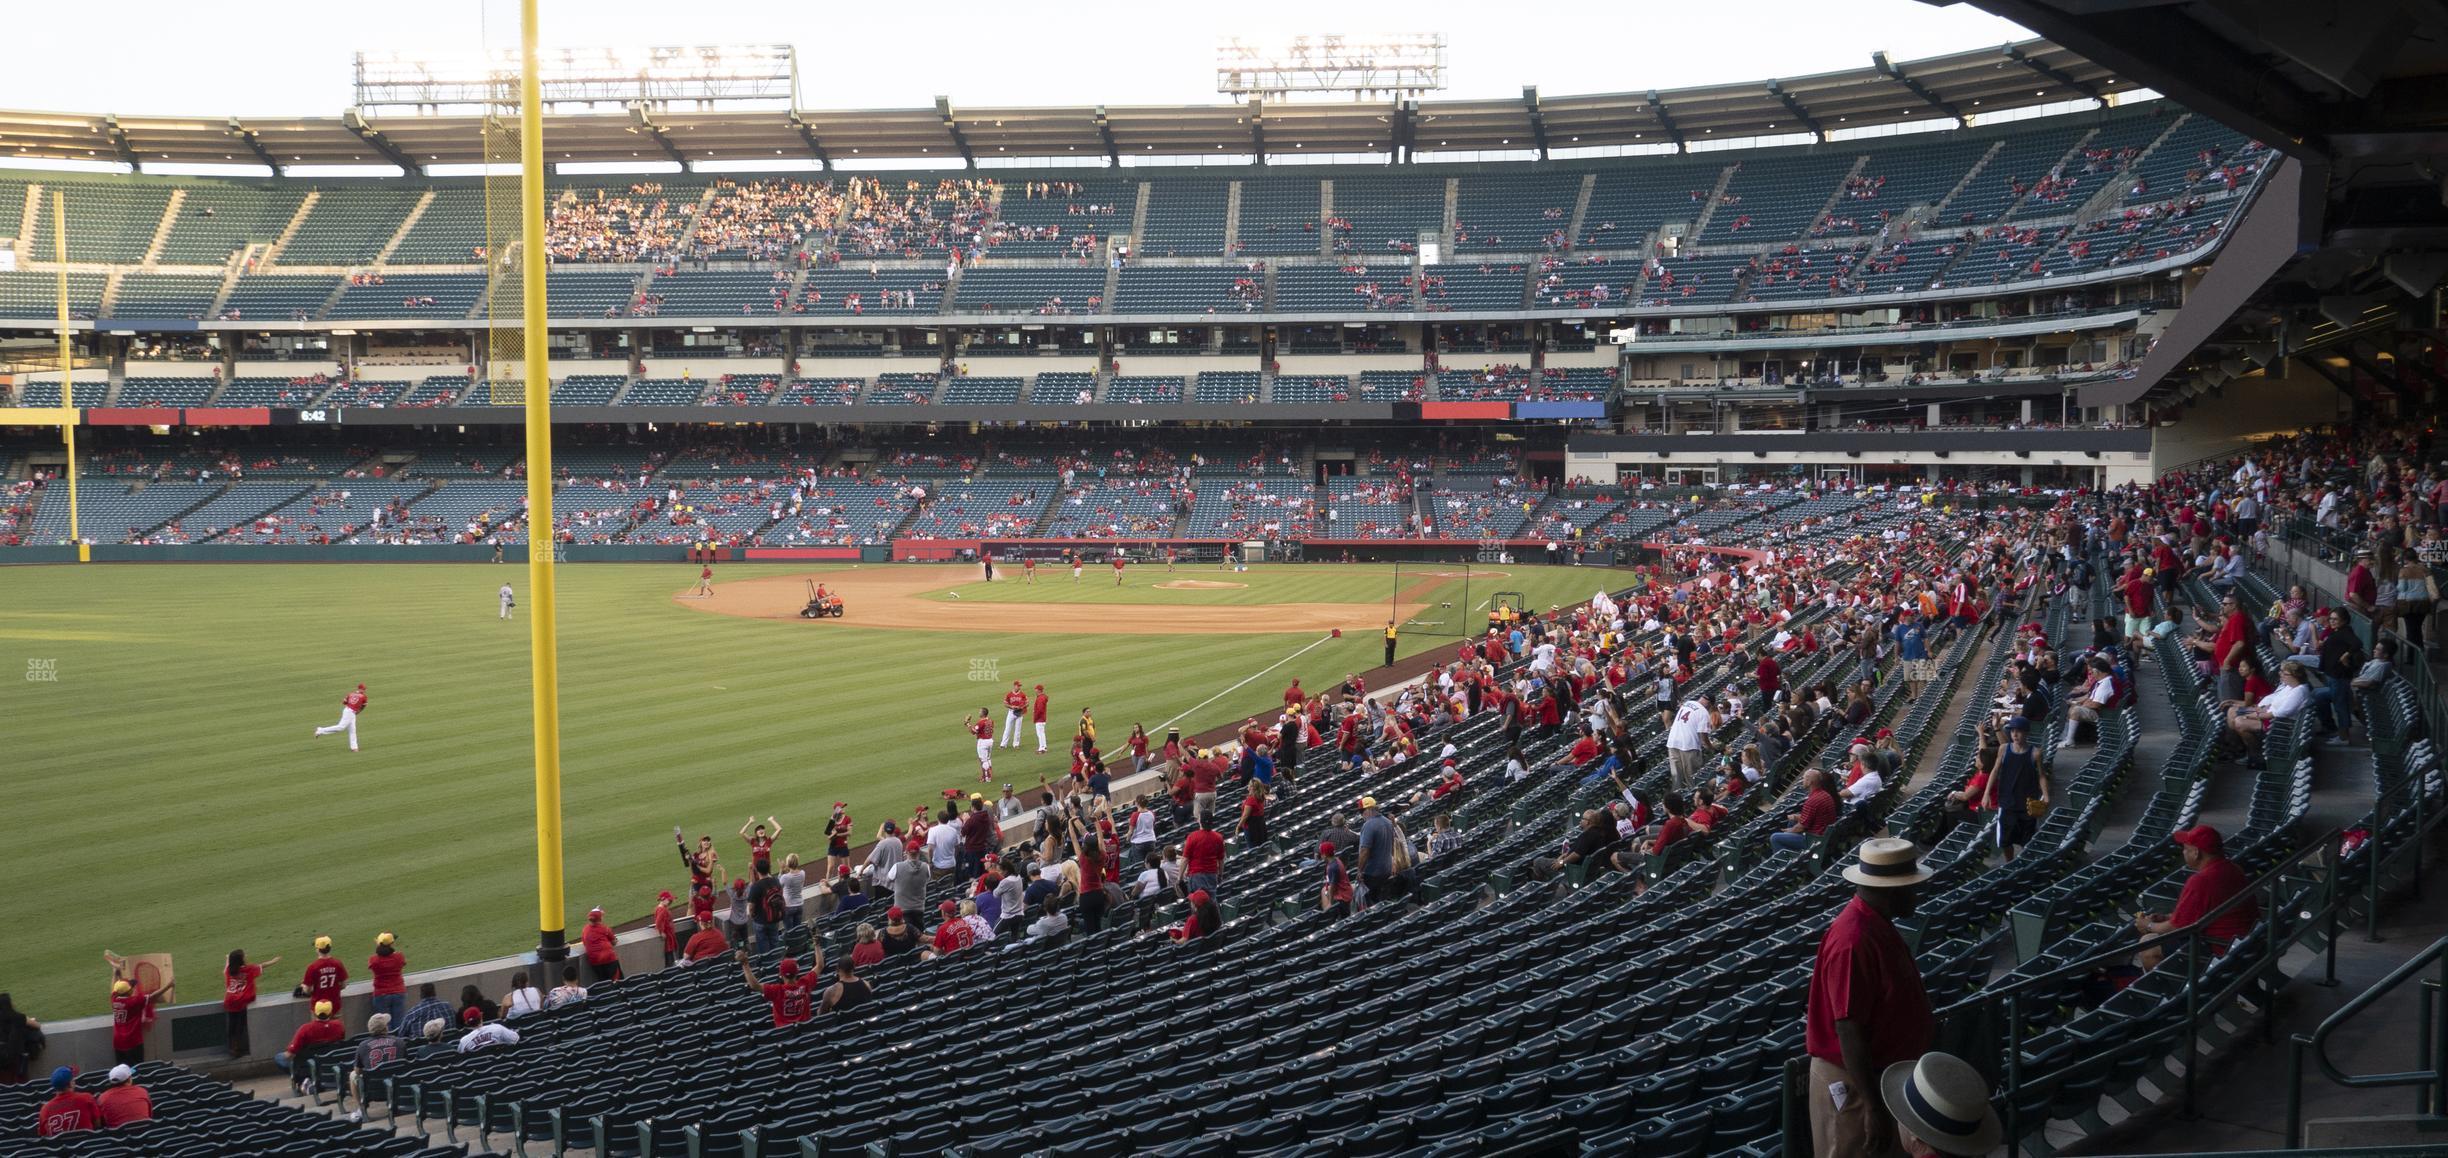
[{"x": 170, "y": 765}]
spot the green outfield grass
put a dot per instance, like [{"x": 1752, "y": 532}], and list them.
[{"x": 165, "y": 793}]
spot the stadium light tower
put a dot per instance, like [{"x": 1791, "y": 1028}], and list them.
[
  {"x": 761, "y": 76},
  {"x": 1397, "y": 66}
]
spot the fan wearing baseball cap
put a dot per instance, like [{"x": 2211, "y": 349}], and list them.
[
  {"x": 131, "y": 1015},
  {"x": 602, "y": 948},
  {"x": 792, "y": 997},
  {"x": 324, "y": 977},
  {"x": 1867, "y": 1009},
  {"x": 311, "y": 1037},
  {"x": 124, "y": 1101},
  {"x": 387, "y": 964},
  {"x": 664, "y": 927},
  {"x": 69, "y": 1111},
  {"x": 2214, "y": 881}
]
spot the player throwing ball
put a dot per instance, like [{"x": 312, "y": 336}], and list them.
[
  {"x": 982, "y": 730},
  {"x": 350, "y": 705}
]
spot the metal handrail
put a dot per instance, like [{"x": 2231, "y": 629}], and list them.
[
  {"x": 2431, "y": 1044},
  {"x": 2315, "y": 905}
]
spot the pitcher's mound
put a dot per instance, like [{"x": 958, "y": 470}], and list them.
[{"x": 1197, "y": 585}]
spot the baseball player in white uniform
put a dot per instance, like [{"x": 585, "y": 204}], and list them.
[{"x": 506, "y": 603}]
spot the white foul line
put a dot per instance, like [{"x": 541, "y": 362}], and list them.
[{"x": 1236, "y": 687}]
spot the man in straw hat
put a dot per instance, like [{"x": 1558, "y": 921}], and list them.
[
  {"x": 1867, "y": 1010},
  {"x": 1941, "y": 1107}
]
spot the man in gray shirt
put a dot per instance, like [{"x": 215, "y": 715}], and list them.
[
  {"x": 909, "y": 882},
  {"x": 1376, "y": 852}
]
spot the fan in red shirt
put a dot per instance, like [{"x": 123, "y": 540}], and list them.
[
  {"x": 954, "y": 934},
  {"x": 324, "y": 976},
  {"x": 237, "y": 996},
  {"x": 1294, "y": 697},
  {"x": 387, "y": 964},
  {"x": 131, "y": 1014},
  {"x": 323, "y": 1030},
  {"x": 706, "y": 943},
  {"x": 1584, "y": 751},
  {"x": 69, "y": 1111},
  {"x": 124, "y": 1101},
  {"x": 602, "y": 949},
  {"x": 2214, "y": 881},
  {"x": 664, "y": 927},
  {"x": 792, "y": 997}
]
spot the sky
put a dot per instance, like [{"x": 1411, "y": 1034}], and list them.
[{"x": 292, "y": 57}]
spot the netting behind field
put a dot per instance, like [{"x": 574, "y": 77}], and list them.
[{"x": 505, "y": 338}]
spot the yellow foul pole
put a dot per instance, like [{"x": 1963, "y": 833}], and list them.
[
  {"x": 68, "y": 413},
  {"x": 544, "y": 666}
]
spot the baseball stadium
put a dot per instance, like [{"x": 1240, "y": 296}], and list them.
[{"x": 1619, "y": 604}]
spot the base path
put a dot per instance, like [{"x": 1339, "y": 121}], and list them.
[{"x": 889, "y": 595}]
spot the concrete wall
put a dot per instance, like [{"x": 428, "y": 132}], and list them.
[
  {"x": 1295, "y": 365},
  {"x": 1185, "y": 367},
  {"x": 2244, "y": 409},
  {"x": 708, "y": 369},
  {"x": 1604, "y": 355}
]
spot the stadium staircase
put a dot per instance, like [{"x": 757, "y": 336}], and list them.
[
  {"x": 161, "y": 232},
  {"x": 1138, "y": 226},
  {"x": 1580, "y": 212},
  {"x": 1232, "y": 232},
  {"x": 1326, "y": 233},
  {"x": 26, "y": 213},
  {"x": 1708, "y": 211},
  {"x": 408, "y": 223},
  {"x": 1446, "y": 223},
  {"x": 1938, "y": 209},
  {"x": 297, "y": 220}
]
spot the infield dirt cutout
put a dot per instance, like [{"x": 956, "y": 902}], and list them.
[{"x": 890, "y": 596}]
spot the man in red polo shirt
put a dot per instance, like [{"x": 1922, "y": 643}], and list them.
[
  {"x": 2215, "y": 880},
  {"x": 791, "y": 996},
  {"x": 1866, "y": 1009}
]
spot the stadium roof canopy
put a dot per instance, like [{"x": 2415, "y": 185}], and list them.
[{"x": 1962, "y": 86}]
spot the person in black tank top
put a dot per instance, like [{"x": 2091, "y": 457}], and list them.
[{"x": 849, "y": 990}]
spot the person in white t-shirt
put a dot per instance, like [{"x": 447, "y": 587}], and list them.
[
  {"x": 1683, "y": 742},
  {"x": 2293, "y": 693},
  {"x": 943, "y": 846},
  {"x": 2095, "y": 702}
]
